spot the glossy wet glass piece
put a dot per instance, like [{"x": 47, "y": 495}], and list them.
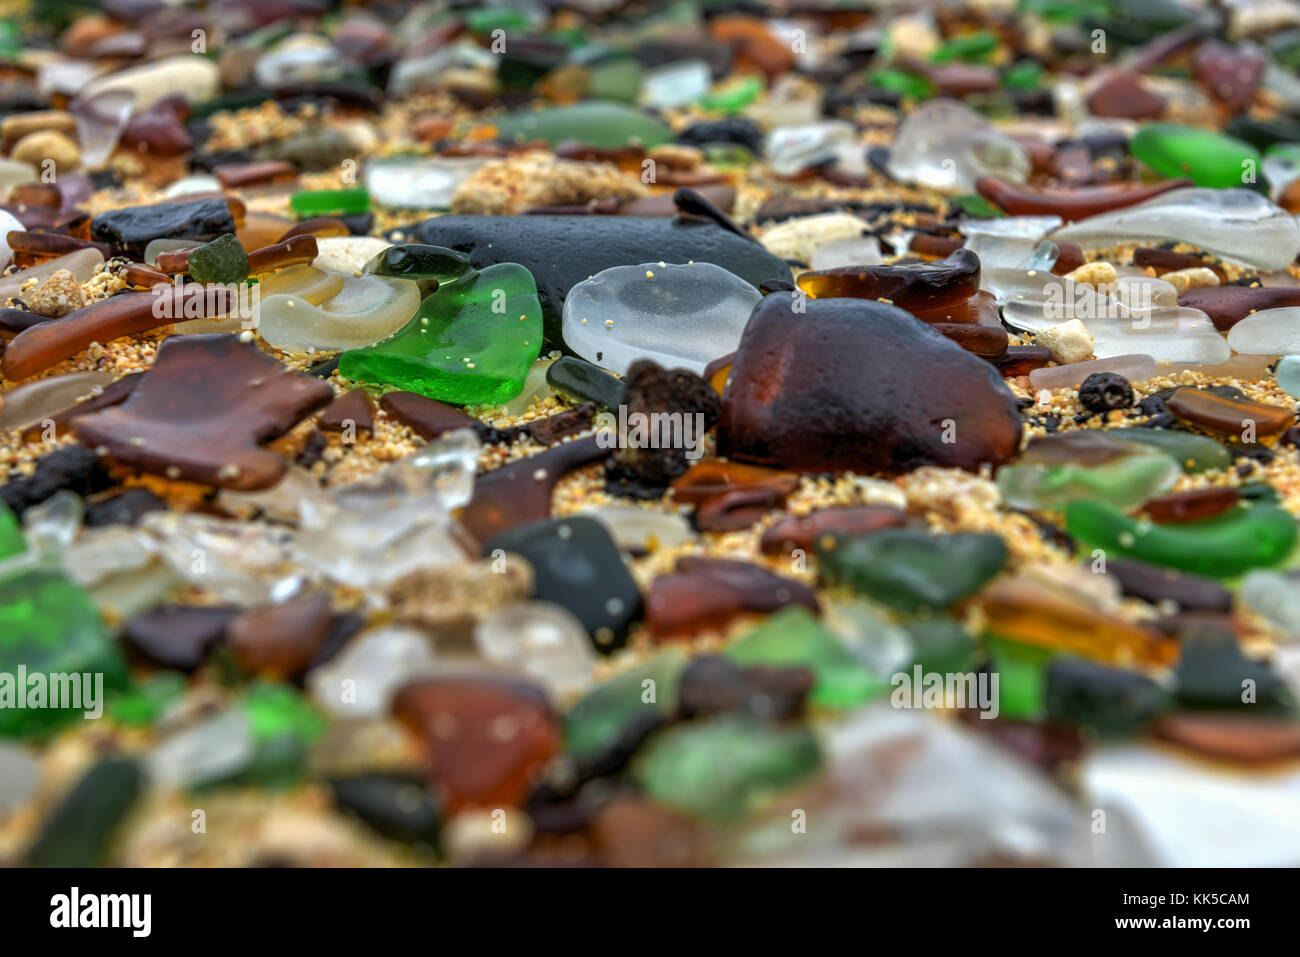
[
  {"x": 241, "y": 396},
  {"x": 926, "y": 285},
  {"x": 1017, "y": 199},
  {"x": 36, "y": 349},
  {"x": 828, "y": 389}
]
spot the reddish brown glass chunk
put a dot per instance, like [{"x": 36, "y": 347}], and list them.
[
  {"x": 428, "y": 418},
  {"x": 353, "y": 407},
  {"x": 521, "y": 492},
  {"x": 1070, "y": 204},
  {"x": 1236, "y": 417},
  {"x": 1228, "y": 305},
  {"x": 924, "y": 285},
  {"x": 278, "y": 642},
  {"x": 485, "y": 740},
  {"x": 202, "y": 411},
  {"x": 803, "y": 532},
  {"x": 707, "y": 480},
  {"x": 1192, "y": 505},
  {"x": 1122, "y": 95},
  {"x": 840, "y": 384},
  {"x": 1243, "y": 739},
  {"x": 707, "y": 593}
]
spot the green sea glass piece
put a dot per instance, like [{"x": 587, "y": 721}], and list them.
[
  {"x": 646, "y": 693},
  {"x": 974, "y": 47},
  {"x": 793, "y": 637},
  {"x": 49, "y": 626},
  {"x": 1207, "y": 158},
  {"x": 1224, "y": 546},
  {"x": 222, "y": 260},
  {"x": 724, "y": 767},
  {"x": 330, "y": 202},
  {"x": 472, "y": 341},
  {"x": 1195, "y": 453},
  {"x": 594, "y": 123},
  {"x": 1124, "y": 482},
  {"x": 912, "y": 570},
  {"x": 11, "y": 533},
  {"x": 78, "y": 832},
  {"x": 734, "y": 96},
  {"x": 1022, "y": 677},
  {"x": 145, "y": 702}
]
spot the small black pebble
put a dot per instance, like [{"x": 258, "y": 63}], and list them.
[{"x": 1103, "y": 391}]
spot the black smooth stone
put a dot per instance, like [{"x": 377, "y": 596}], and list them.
[
  {"x": 1212, "y": 672},
  {"x": 74, "y": 467},
  {"x": 582, "y": 380},
  {"x": 712, "y": 684},
  {"x": 1106, "y": 700},
  {"x": 562, "y": 251},
  {"x": 398, "y": 806},
  {"x": 178, "y": 636},
  {"x": 577, "y": 565},
  {"x": 132, "y": 228},
  {"x": 1154, "y": 584},
  {"x": 125, "y": 508},
  {"x": 78, "y": 831},
  {"x": 735, "y": 130}
]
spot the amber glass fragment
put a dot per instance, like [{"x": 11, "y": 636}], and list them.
[
  {"x": 714, "y": 477},
  {"x": 1241, "y": 418},
  {"x": 36, "y": 349},
  {"x": 1070, "y": 204},
  {"x": 1192, "y": 505},
  {"x": 926, "y": 285}
]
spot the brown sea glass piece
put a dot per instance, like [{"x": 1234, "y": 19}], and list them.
[
  {"x": 707, "y": 593},
  {"x": 1027, "y": 611},
  {"x": 1235, "y": 417},
  {"x": 1016, "y": 199},
  {"x": 1021, "y": 360},
  {"x": 802, "y": 532},
  {"x": 563, "y": 425},
  {"x": 1069, "y": 259},
  {"x": 978, "y": 338},
  {"x": 203, "y": 411},
  {"x": 354, "y": 407},
  {"x": 485, "y": 740},
  {"x": 935, "y": 247},
  {"x": 841, "y": 384},
  {"x": 741, "y": 508},
  {"x": 1230, "y": 74},
  {"x": 240, "y": 175},
  {"x": 1123, "y": 96},
  {"x": 961, "y": 79},
  {"x": 428, "y": 418},
  {"x": 1252, "y": 740},
  {"x": 290, "y": 252},
  {"x": 159, "y": 130},
  {"x": 755, "y": 45},
  {"x": 278, "y": 642},
  {"x": 1192, "y": 505},
  {"x": 115, "y": 393},
  {"x": 318, "y": 226},
  {"x": 632, "y": 832},
  {"x": 1166, "y": 260},
  {"x": 981, "y": 307},
  {"x": 1228, "y": 305},
  {"x": 37, "y": 349},
  {"x": 36, "y": 194},
  {"x": 144, "y": 277},
  {"x": 32, "y": 246},
  {"x": 709, "y": 479},
  {"x": 521, "y": 491},
  {"x": 925, "y": 285}
]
